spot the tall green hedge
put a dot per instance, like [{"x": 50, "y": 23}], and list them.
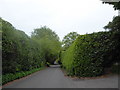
[
  {"x": 68, "y": 59},
  {"x": 90, "y": 54}
]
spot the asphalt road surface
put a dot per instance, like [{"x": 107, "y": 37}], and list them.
[{"x": 53, "y": 77}]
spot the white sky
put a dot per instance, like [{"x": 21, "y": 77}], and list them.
[{"x": 62, "y": 16}]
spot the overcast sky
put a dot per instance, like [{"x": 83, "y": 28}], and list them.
[{"x": 62, "y": 16}]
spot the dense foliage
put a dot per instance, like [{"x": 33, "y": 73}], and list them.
[
  {"x": 90, "y": 54},
  {"x": 69, "y": 39},
  {"x": 10, "y": 77},
  {"x": 49, "y": 41},
  {"x": 114, "y": 28},
  {"x": 67, "y": 59},
  {"x": 21, "y": 53}
]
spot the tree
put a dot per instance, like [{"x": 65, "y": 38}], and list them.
[
  {"x": 45, "y": 32},
  {"x": 49, "y": 42},
  {"x": 69, "y": 39},
  {"x": 116, "y": 5},
  {"x": 114, "y": 25},
  {"x": 19, "y": 51},
  {"x": 114, "y": 28}
]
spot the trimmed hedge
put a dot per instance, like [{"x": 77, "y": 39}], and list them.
[
  {"x": 88, "y": 60},
  {"x": 67, "y": 59},
  {"x": 90, "y": 54},
  {"x": 10, "y": 77}
]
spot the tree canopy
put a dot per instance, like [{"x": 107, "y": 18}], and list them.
[
  {"x": 114, "y": 25},
  {"x": 116, "y": 5},
  {"x": 49, "y": 42},
  {"x": 69, "y": 39}
]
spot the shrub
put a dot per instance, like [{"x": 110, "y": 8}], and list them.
[{"x": 10, "y": 77}]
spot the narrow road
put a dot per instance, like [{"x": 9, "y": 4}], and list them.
[{"x": 53, "y": 77}]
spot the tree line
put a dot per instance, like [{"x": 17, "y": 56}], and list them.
[{"x": 22, "y": 53}]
